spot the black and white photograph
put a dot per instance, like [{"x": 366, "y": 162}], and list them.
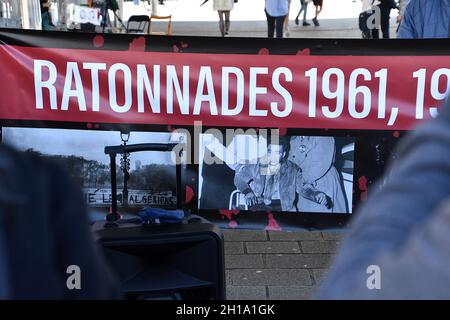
[
  {"x": 310, "y": 174},
  {"x": 149, "y": 177}
]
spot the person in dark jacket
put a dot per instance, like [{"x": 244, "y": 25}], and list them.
[
  {"x": 273, "y": 182},
  {"x": 45, "y": 232},
  {"x": 398, "y": 245},
  {"x": 384, "y": 9}
]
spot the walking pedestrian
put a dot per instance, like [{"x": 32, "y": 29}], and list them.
[
  {"x": 223, "y": 8},
  {"x": 304, "y": 9},
  {"x": 276, "y": 12},
  {"x": 319, "y": 6}
]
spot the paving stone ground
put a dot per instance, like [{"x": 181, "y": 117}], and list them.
[{"x": 277, "y": 265}]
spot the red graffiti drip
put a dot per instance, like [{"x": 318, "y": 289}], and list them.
[
  {"x": 362, "y": 184},
  {"x": 98, "y": 41},
  {"x": 233, "y": 224},
  {"x": 272, "y": 224},
  {"x": 138, "y": 44},
  {"x": 264, "y": 51},
  {"x": 282, "y": 131},
  {"x": 189, "y": 194},
  {"x": 304, "y": 52},
  {"x": 229, "y": 213}
]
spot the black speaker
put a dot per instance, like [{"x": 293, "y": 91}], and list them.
[{"x": 166, "y": 262}]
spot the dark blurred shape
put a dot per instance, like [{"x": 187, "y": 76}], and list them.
[
  {"x": 170, "y": 261},
  {"x": 425, "y": 19},
  {"x": 403, "y": 230},
  {"x": 44, "y": 230}
]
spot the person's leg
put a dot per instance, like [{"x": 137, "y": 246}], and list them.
[
  {"x": 376, "y": 33},
  {"x": 315, "y": 21},
  {"x": 286, "y": 26},
  {"x": 305, "y": 10},
  {"x": 270, "y": 25},
  {"x": 221, "y": 23},
  {"x": 302, "y": 7},
  {"x": 377, "y": 24},
  {"x": 279, "y": 26},
  {"x": 385, "y": 12},
  {"x": 319, "y": 10},
  {"x": 227, "y": 21},
  {"x": 46, "y": 21},
  {"x": 286, "y": 22}
]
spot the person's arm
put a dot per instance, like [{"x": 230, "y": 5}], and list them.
[
  {"x": 242, "y": 179},
  {"x": 401, "y": 228}
]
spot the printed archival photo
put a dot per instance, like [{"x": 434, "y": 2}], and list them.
[
  {"x": 309, "y": 174},
  {"x": 150, "y": 176}
]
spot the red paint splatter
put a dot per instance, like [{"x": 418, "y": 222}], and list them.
[
  {"x": 229, "y": 213},
  {"x": 396, "y": 134},
  {"x": 264, "y": 51},
  {"x": 89, "y": 125},
  {"x": 137, "y": 44},
  {"x": 272, "y": 224},
  {"x": 189, "y": 194},
  {"x": 233, "y": 224},
  {"x": 98, "y": 41},
  {"x": 304, "y": 52},
  {"x": 362, "y": 184},
  {"x": 282, "y": 131}
]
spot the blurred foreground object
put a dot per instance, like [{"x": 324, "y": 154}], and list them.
[
  {"x": 44, "y": 230},
  {"x": 403, "y": 230},
  {"x": 425, "y": 19}
]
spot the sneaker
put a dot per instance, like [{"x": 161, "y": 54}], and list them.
[
  {"x": 297, "y": 22},
  {"x": 316, "y": 22},
  {"x": 305, "y": 24}
]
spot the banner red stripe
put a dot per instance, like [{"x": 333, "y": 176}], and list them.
[{"x": 298, "y": 91}]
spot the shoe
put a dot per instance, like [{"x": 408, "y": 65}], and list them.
[
  {"x": 297, "y": 22},
  {"x": 316, "y": 22},
  {"x": 287, "y": 32},
  {"x": 305, "y": 24}
]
